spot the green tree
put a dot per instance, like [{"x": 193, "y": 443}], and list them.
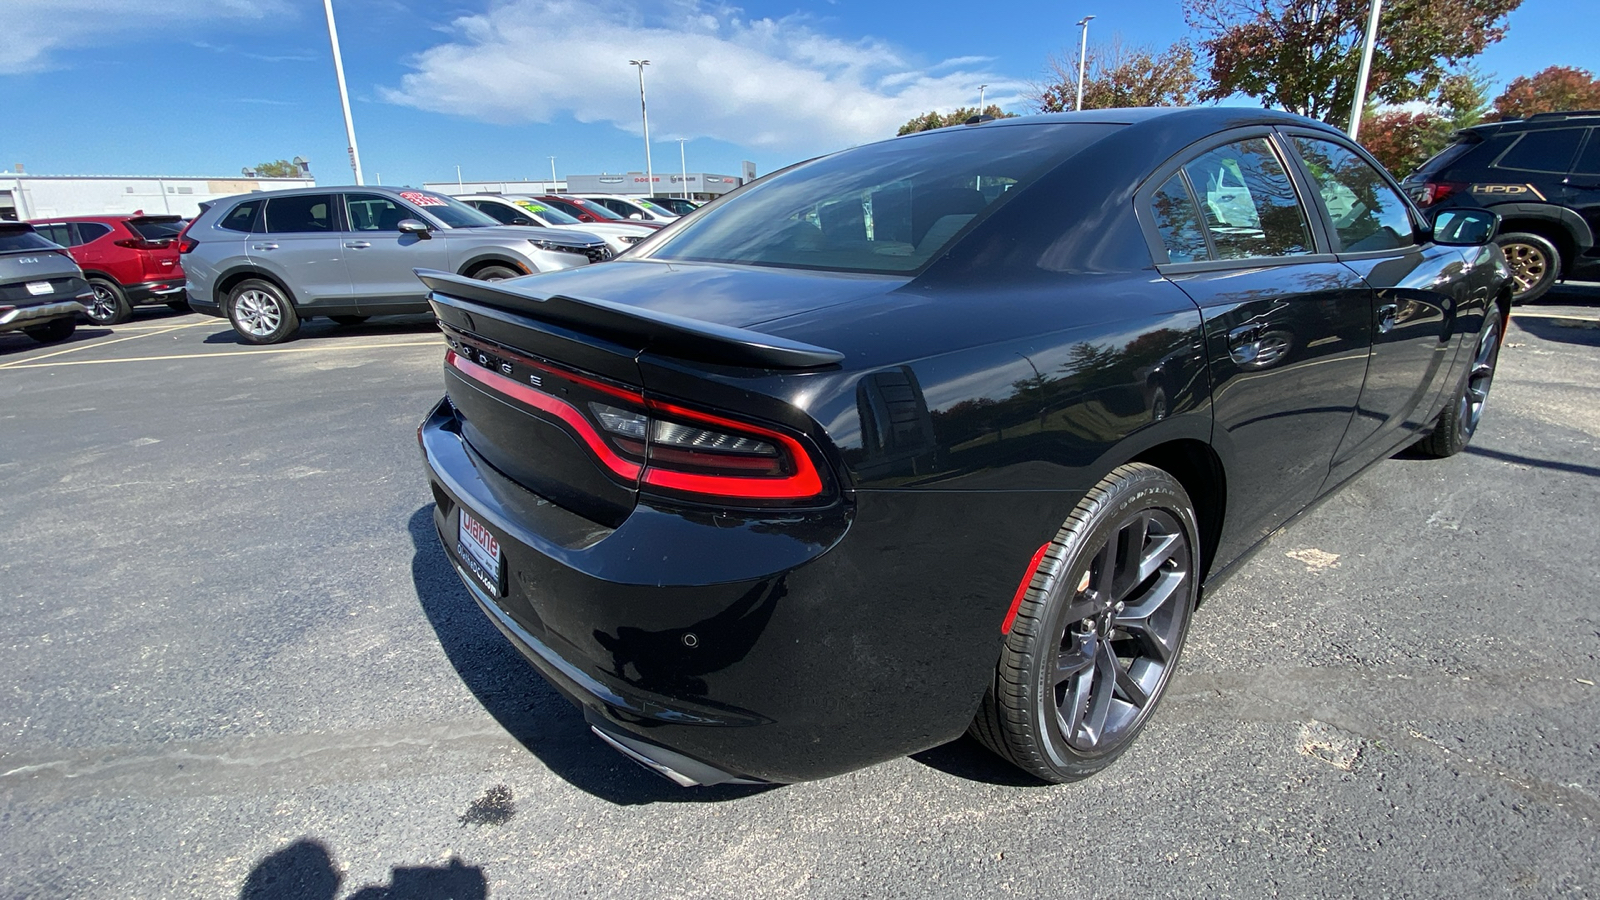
[
  {"x": 278, "y": 168},
  {"x": 1554, "y": 89},
  {"x": 934, "y": 119},
  {"x": 1119, "y": 75},
  {"x": 1303, "y": 55}
]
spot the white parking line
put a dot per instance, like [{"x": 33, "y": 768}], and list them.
[
  {"x": 236, "y": 353},
  {"x": 22, "y": 364}
]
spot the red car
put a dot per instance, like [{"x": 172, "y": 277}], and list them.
[
  {"x": 128, "y": 260},
  {"x": 588, "y": 210}
]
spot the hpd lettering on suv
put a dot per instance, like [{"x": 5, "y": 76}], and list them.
[
  {"x": 1542, "y": 175},
  {"x": 267, "y": 261}
]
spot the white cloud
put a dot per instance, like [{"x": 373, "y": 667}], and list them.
[
  {"x": 772, "y": 84},
  {"x": 37, "y": 32}
]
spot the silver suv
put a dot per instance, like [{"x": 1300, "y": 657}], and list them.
[{"x": 267, "y": 261}]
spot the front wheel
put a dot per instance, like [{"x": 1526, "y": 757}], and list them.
[
  {"x": 1097, "y": 636},
  {"x": 496, "y": 273},
  {"x": 261, "y": 313},
  {"x": 1458, "y": 422}
]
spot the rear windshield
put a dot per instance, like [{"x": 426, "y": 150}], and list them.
[
  {"x": 547, "y": 212},
  {"x": 157, "y": 229},
  {"x": 14, "y": 239},
  {"x": 1448, "y": 155},
  {"x": 888, "y": 207}
]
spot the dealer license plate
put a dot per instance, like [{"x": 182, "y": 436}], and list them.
[
  {"x": 40, "y": 288},
  {"x": 480, "y": 550}
]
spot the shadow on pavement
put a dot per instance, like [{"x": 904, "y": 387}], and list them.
[
  {"x": 524, "y": 704},
  {"x": 965, "y": 758},
  {"x": 1558, "y": 332},
  {"x": 19, "y": 342},
  {"x": 1574, "y": 468},
  {"x": 304, "y": 870},
  {"x": 327, "y": 328}
]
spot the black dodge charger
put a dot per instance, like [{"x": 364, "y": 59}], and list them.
[{"x": 945, "y": 433}]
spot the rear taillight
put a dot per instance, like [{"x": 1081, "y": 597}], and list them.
[
  {"x": 652, "y": 443},
  {"x": 142, "y": 244},
  {"x": 186, "y": 243},
  {"x": 1431, "y": 192}
]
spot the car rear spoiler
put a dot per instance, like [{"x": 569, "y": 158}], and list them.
[{"x": 663, "y": 333}]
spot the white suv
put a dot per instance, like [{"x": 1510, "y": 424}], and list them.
[{"x": 522, "y": 209}]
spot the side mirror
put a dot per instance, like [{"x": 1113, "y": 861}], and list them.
[
  {"x": 638, "y": 216},
  {"x": 1464, "y": 226},
  {"x": 416, "y": 227},
  {"x": 522, "y": 220}
]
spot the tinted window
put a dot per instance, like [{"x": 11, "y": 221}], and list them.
[
  {"x": 886, "y": 207},
  {"x": 1589, "y": 162},
  {"x": 375, "y": 212},
  {"x": 157, "y": 229},
  {"x": 18, "y": 239},
  {"x": 1448, "y": 155},
  {"x": 1543, "y": 151},
  {"x": 547, "y": 214},
  {"x": 92, "y": 231},
  {"x": 310, "y": 213},
  {"x": 497, "y": 211},
  {"x": 1367, "y": 214},
  {"x": 1179, "y": 222},
  {"x": 1248, "y": 202},
  {"x": 55, "y": 234},
  {"x": 596, "y": 210},
  {"x": 241, "y": 217}
]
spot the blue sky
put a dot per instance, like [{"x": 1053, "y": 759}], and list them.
[{"x": 205, "y": 87}]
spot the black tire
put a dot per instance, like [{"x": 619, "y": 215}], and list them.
[
  {"x": 1535, "y": 264},
  {"x": 53, "y": 330},
  {"x": 261, "y": 313},
  {"x": 349, "y": 320},
  {"x": 495, "y": 273},
  {"x": 1459, "y": 419},
  {"x": 1075, "y": 627},
  {"x": 110, "y": 305}
]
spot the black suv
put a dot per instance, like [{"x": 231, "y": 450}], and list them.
[{"x": 1542, "y": 175}]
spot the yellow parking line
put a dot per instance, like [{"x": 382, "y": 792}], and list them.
[
  {"x": 238, "y": 353},
  {"x": 88, "y": 345}
]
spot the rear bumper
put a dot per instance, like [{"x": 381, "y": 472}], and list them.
[
  {"x": 164, "y": 291},
  {"x": 14, "y": 317},
  {"x": 778, "y": 648}
]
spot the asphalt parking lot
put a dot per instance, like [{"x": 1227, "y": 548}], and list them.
[{"x": 241, "y": 667}]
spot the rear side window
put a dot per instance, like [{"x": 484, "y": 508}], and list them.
[
  {"x": 1589, "y": 162},
  {"x": 241, "y": 217},
  {"x": 55, "y": 234},
  {"x": 92, "y": 231},
  {"x": 1179, "y": 222},
  {"x": 1543, "y": 151},
  {"x": 1248, "y": 203},
  {"x": 1366, "y": 213},
  {"x": 1448, "y": 155},
  {"x": 294, "y": 215},
  {"x": 12, "y": 239}
]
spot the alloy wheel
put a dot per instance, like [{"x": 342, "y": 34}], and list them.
[
  {"x": 258, "y": 312},
  {"x": 103, "y": 308},
  {"x": 1528, "y": 265},
  {"x": 1480, "y": 377},
  {"x": 1125, "y": 624}
]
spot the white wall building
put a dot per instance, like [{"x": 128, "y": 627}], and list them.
[
  {"x": 463, "y": 188},
  {"x": 50, "y": 196}
]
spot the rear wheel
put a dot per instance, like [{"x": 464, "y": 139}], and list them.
[
  {"x": 1460, "y": 417},
  {"x": 261, "y": 313},
  {"x": 1097, "y": 636},
  {"x": 110, "y": 305},
  {"x": 53, "y": 330},
  {"x": 1535, "y": 264}
]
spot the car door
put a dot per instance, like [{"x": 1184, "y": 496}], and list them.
[
  {"x": 94, "y": 247},
  {"x": 299, "y": 245},
  {"x": 1287, "y": 326},
  {"x": 382, "y": 259},
  {"x": 1419, "y": 291}
]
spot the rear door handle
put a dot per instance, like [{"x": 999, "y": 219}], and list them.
[
  {"x": 263, "y": 246},
  {"x": 1386, "y": 315},
  {"x": 358, "y": 245}
]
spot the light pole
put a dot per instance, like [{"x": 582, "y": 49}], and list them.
[
  {"x": 981, "y": 89},
  {"x": 644, "y": 113},
  {"x": 459, "y": 186},
  {"x": 552, "y": 174},
  {"x": 1083, "y": 56},
  {"x": 683, "y": 168},
  {"x": 1366, "y": 68},
  {"x": 344, "y": 95}
]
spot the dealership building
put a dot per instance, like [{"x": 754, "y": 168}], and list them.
[
  {"x": 51, "y": 196},
  {"x": 698, "y": 185}
]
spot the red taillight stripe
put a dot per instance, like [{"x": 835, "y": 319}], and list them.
[
  {"x": 1022, "y": 589},
  {"x": 805, "y": 482},
  {"x": 546, "y": 403}
]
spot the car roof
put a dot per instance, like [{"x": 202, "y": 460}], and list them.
[{"x": 108, "y": 217}]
